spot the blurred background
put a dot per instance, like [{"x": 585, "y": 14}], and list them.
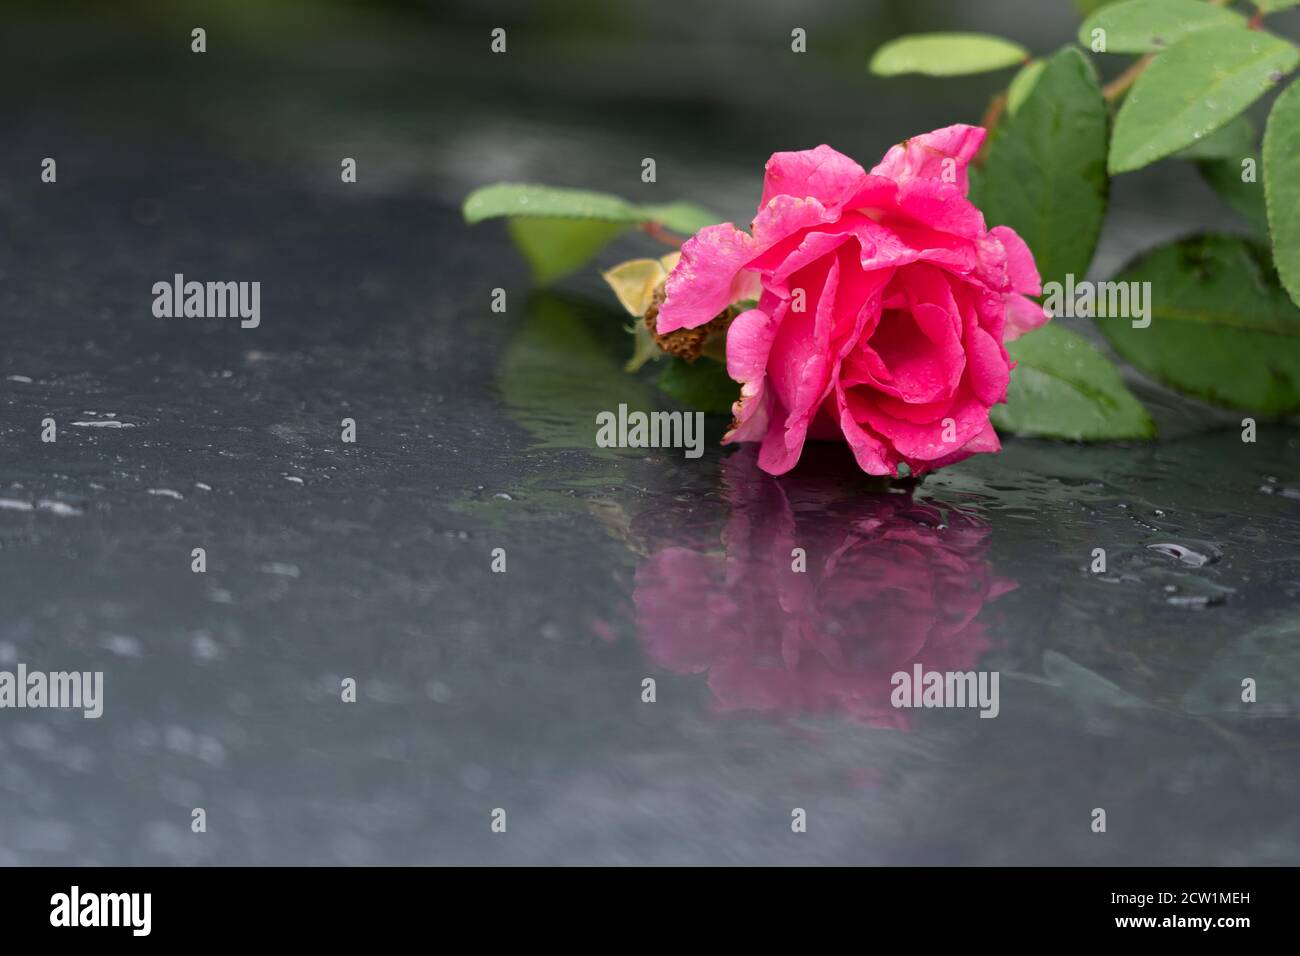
[{"x": 523, "y": 691}]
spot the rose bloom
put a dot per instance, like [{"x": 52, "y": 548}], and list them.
[
  {"x": 883, "y": 303},
  {"x": 889, "y": 582}
]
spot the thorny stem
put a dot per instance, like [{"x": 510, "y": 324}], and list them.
[{"x": 657, "y": 232}]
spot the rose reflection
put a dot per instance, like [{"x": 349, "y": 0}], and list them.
[{"x": 889, "y": 582}]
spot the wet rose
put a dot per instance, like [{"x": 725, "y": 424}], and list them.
[{"x": 883, "y": 302}]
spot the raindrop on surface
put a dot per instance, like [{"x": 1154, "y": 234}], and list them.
[{"x": 1183, "y": 554}]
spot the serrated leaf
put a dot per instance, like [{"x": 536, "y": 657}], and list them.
[
  {"x": 558, "y": 230},
  {"x": 1084, "y": 686},
  {"x": 525, "y": 199},
  {"x": 1062, "y": 387},
  {"x": 556, "y": 247},
  {"x": 702, "y": 385},
  {"x": 946, "y": 54},
  {"x": 1022, "y": 84},
  {"x": 1236, "y": 140},
  {"x": 1147, "y": 26},
  {"x": 1046, "y": 167},
  {"x": 1192, "y": 89},
  {"x": 1246, "y": 199},
  {"x": 1222, "y": 328},
  {"x": 1282, "y": 186}
]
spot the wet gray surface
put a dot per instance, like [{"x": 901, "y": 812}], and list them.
[{"x": 474, "y": 431}]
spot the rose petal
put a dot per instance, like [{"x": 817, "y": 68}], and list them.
[
  {"x": 823, "y": 173},
  {"x": 707, "y": 278}
]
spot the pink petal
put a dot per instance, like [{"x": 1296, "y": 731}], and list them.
[
  {"x": 923, "y": 156},
  {"x": 989, "y": 372},
  {"x": 707, "y": 278},
  {"x": 1020, "y": 261},
  {"x": 822, "y": 173},
  {"x": 985, "y": 442},
  {"x": 749, "y": 340},
  {"x": 1023, "y": 315}
]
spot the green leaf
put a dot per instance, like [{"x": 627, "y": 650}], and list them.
[
  {"x": 1023, "y": 84},
  {"x": 683, "y": 217},
  {"x": 1046, "y": 168},
  {"x": 1222, "y": 328},
  {"x": 1062, "y": 387},
  {"x": 1282, "y": 186},
  {"x": 1272, "y": 6},
  {"x": 946, "y": 54},
  {"x": 556, "y": 247},
  {"x": 1084, "y": 686},
  {"x": 1246, "y": 199},
  {"x": 1193, "y": 88},
  {"x": 1234, "y": 141},
  {"x": 1145, "y": 26},
  {"x": 703, "y": 385},
  {"x": 558, "y": 230},
  {"x": 525, "y": 199}
]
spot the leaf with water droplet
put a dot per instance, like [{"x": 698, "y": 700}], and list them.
[
  {"x": 1282, "y": 186},
  {"x": 1221, "y": 326},
  {"x": 1062, "y": 387},
  {"x": 1147, "y": 26},
  {"x": 1196, "y": 86}
]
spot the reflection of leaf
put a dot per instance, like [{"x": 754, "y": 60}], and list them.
[
  {"x": 1084, "y": 686},
  {"x": 557, "y": 375},
  {"x": 555, "y": 247},
  {"x": 1270, "y": 655}
]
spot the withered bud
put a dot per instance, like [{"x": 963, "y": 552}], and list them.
[{"x": 686, "y": 343}]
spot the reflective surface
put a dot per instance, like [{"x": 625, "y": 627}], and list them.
[{"x": 523, "y": 691}]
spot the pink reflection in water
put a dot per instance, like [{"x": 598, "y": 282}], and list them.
[{"x": 889, "y": 582}]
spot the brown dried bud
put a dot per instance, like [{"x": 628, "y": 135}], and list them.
[{"x": 686, "y": 343}]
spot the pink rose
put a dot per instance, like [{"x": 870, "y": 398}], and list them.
[
  {"x": 883, "y": 305},
  {"x": 889, "y": 582}
]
